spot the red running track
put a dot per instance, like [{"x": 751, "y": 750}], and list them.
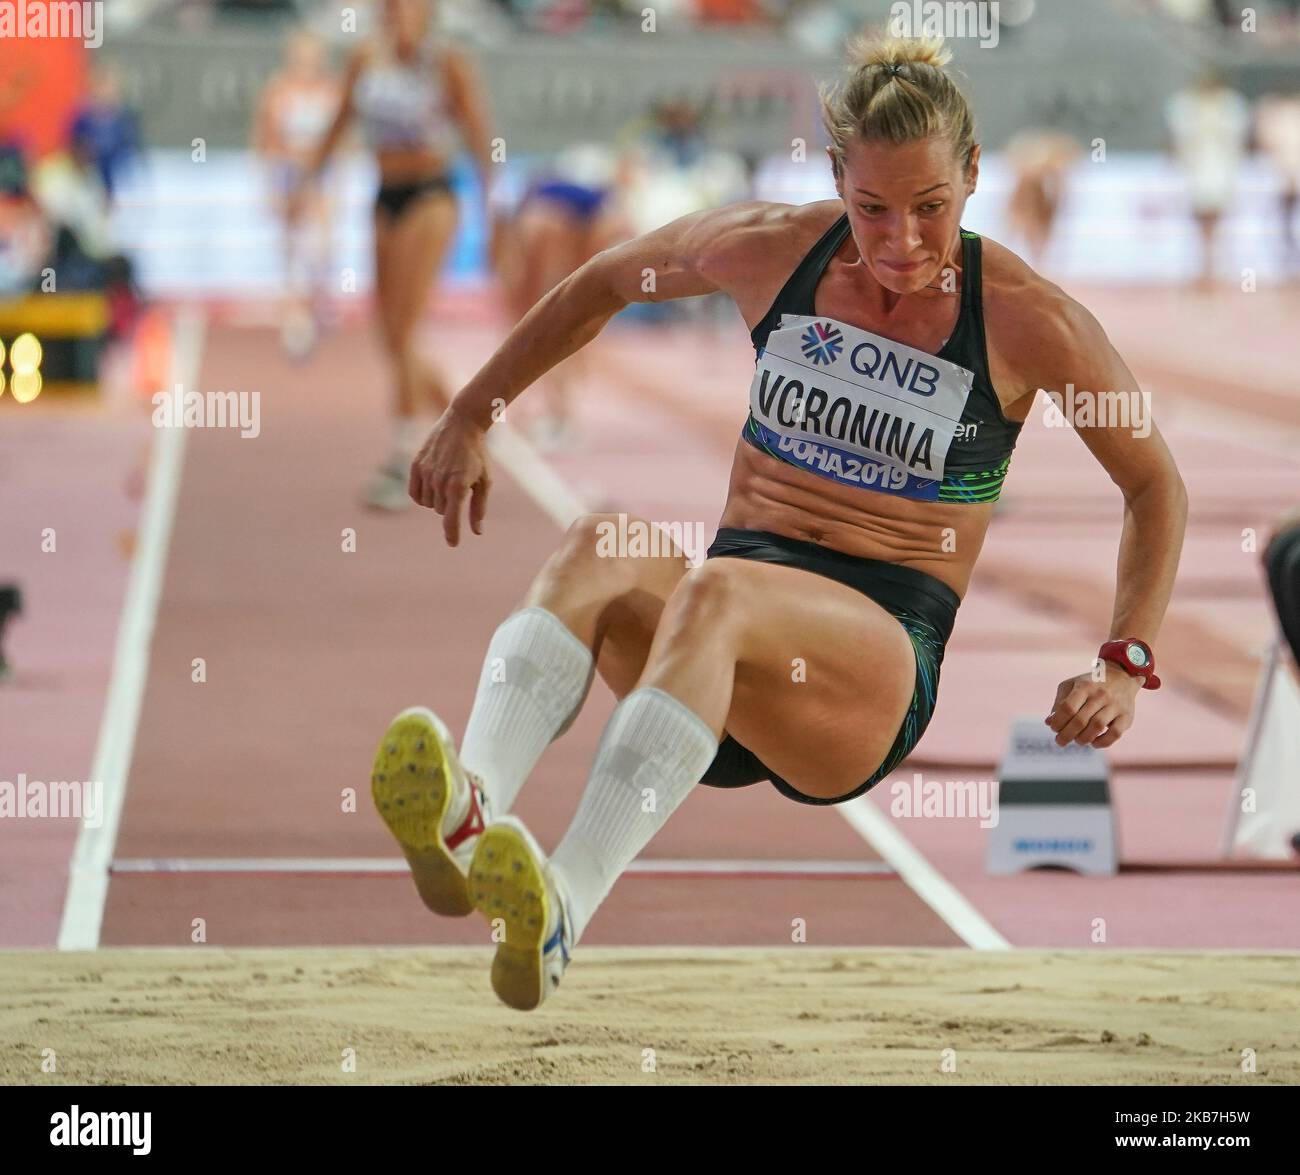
[{"x": 308, "y": 650}]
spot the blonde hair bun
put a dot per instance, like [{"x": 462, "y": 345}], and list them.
[
  {"x": 896, "y": 90},
  {"x": 869, "y": 49}
]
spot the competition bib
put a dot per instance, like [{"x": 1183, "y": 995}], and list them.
[{"x": 850, "y": 405}]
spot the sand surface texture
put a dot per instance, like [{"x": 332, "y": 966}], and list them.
[{"x": 800, "y": 1015}]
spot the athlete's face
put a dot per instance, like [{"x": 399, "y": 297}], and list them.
[
  {"x": 306, "y": 57},
  {"x": 408, "y": 20},
  {"x": 905, "y": 204}
]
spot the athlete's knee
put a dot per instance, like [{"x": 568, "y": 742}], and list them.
[
  {"x": 594, "y": 563},
  {"x": 584, "y": 558},
  {"x": 623, "y": 541},
  {"x": 708, "y": 595},
  {"x": 587, "y": 538}
]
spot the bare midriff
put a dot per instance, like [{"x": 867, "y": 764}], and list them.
[
  {"x": 942, "y": 539},
  {"x": 409, "y": 165}
]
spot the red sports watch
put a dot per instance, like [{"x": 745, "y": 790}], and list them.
[{"x": 1135, "y": 657}]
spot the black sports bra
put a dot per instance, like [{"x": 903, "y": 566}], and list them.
[{"x": 858, "y": 408}]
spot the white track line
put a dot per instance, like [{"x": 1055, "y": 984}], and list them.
[
  {"x": 936, "y": 892},
  {"x": 83, "y": 905},
  {"x": 395, "y": 865},
  {"x": 534, "y": 476}
]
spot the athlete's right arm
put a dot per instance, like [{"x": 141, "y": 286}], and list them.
[
  {"x": 325, "y": 148},
  {"x": 701, "y": 253}
]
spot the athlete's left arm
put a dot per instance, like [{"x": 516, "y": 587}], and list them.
[
  {"x": 1068, "y": 355},
  {"x": 466, "y": 96}
]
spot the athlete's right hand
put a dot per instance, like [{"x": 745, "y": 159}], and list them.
[{"x": 452, "y": 461}]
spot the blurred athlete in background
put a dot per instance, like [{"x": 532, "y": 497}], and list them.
[
  {"x": 415, "y": 97},
  {"x": 570, "y": 209},
  {"x": 1209, "y": 124},
  {"x": 1040, "y": 161},
  {"x": 296, "y": 109}
]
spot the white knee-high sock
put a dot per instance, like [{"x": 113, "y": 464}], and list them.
[
  {"x": 534, "y": 679},
  {"x": 652, "y": 753}
]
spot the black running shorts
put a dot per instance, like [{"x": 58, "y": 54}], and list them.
[{"x": 925, "y": 607}]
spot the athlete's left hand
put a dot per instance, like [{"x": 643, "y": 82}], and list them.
[{"x": 1094, "y": 713}]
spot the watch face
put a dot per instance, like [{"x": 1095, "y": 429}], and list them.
[{"x": 1136, "y": 655}]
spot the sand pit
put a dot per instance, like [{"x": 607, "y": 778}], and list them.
[{"x": 736, "y": 1017}]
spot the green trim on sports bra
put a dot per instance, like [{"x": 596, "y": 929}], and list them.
[{"x": 984, "y": 486}]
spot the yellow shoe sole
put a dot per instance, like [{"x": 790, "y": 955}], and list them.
[
  {"x": 411, "y": 788},
  {"x": 507, "y": 884}
]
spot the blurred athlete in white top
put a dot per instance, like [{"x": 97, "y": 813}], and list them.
[
  {"x": 1209, "y": 124},
  {"x": 417, "y": 99},
  {"x": 296, "y": 109}
]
